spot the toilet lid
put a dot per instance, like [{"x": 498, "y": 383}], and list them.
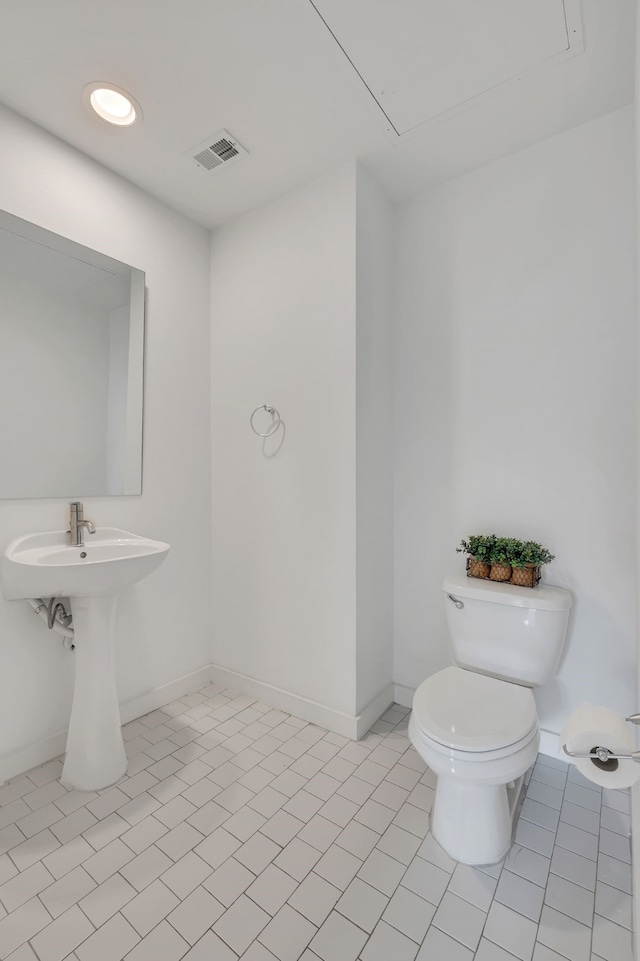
[{"x": 473, "y": 712}]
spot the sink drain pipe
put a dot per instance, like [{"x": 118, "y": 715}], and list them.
[{"x": 55, "y": 617}]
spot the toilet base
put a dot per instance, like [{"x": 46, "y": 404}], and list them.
[{"x": 473, "y": 822}]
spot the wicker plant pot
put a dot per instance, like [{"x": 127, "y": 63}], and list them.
[
  {"x": 478, "y": 568},
  {"x": 500, "y": 572},
  {"x": 525, "y": 576}
]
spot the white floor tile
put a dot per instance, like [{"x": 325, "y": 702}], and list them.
[
  {"x": 387, "y": 942},
  {"x": 186, "y": 874},
  {"x": 63, "y": 935},
  {"x": 338, "y": 867},
  {"x": 574, "y": 868},
  {"x": 570, "y": 898},
  {"x": 281, "y": 828},
  {"x": 111, "y": 858},
  {"x": 382, "y": 872},
  {"x": 150, "y": 907},
  {"x": 460, "y": 920},
  {"x": 375, "y": 816},
  {"x": 315, "y": 898},
  {"x": 163, "y": 942},
  {"x": 565, "y": 935},
  {"x": 575, "y": 839},
  {"x": 66, "y": 858},
  {"x": 426, "y": 880},
  {"x": 210, "y": 948},
  {"x": 271, "y": 889},
  {"x": 179, "y": 840},
  {"x": 528, "y": 864},
  {"x": 26, "y": 853},
  {"x": 409, "y": 913},
  {"x": 21, "y": 925},
  {"x": 438, "y": 945},
  {"x": 535, "y": 838},
  {"x": 111, "y": 942},
  {"x": 257, "y": 852},
  {"x": 611, "y": 941},
  {"x": 473, "y": 886},
  {"x": 339, "y": 809},
  {"x": 511, "y": 931},
  {"x": 615, "y": 845},
  {"x": 241, "y": 924},
  {"x": 399, "y": 844},
  {"x": 109, "y": 897},
  {"x": 229, "y": 881},
  {"x": 540, "y": 814},
  {"x": 521, "y": 895},
  {"x": 358, "y": 839},
  {"x": 193, "y": 916},
  {"x": 488, "y": 951},
  {"x": 288, "y": 934},
  {"x": 614, "y": 904},
  {"x": 295, "y": 843},
  {"x": 338, "y": 939},
  {"x": 319, "y": 833},
  {"x": 217, "y": 847},
  {"x": 362, "y": 904},
  {"x": 25, "y": 886},
  {"x": 614, "y": 872},
  {"x": 580, "y": 817},
  {"x": 66, "y": 892}
]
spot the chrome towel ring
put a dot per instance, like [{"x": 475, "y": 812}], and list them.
[{"x": 275, "y": 420}]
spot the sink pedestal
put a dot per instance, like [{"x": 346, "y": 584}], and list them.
[{"x": 95, "y": 753}]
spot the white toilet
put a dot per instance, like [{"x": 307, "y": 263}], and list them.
[{"x": 475, "y": 725}]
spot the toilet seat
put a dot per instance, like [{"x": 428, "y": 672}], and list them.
[{"x": 473, "y": 713}]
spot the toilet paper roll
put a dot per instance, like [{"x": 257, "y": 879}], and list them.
[{"x": 589, "y": 727}]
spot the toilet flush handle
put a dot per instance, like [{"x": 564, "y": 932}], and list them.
[{"x": 455, "y": 601}]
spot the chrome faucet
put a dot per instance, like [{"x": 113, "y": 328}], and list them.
[{"x": 77, "y": 523}]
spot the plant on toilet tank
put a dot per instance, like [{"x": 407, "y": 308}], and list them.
[{"x": 505, "y": 559}]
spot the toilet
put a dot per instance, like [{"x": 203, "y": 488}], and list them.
[{"x": 475, "y": 724}]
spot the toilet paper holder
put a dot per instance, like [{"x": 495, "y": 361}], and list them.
[{"x": 603, "y": 754}]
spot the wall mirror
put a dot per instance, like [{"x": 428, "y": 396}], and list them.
[{"x": 71, "y": 367}]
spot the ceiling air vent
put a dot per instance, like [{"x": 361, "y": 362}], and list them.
[{"x": 221, "y": 148}]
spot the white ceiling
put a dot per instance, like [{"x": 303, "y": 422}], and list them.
[{"x": 274, "y": 75}]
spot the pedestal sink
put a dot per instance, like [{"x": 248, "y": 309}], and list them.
[{"x": 90, "y": 575}]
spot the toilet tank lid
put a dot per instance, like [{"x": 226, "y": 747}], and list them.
[{"x": 541, "y": 598}]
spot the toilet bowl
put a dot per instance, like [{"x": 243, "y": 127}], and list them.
[
  {"x": 478, "y": 734},
  {"x": 475, "y": 725}
]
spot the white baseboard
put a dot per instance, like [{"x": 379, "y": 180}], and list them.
[
  {"x": 374, "y": 709},
  {"x": 26, "y": 758},
  {"x": 403, "y": 695},
  {"x": 152, "y": 700},
  {"x": 352, "y": 726},
  {"x": 550, "y": 746}
]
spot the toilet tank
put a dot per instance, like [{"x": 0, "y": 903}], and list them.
[{"x": 514, "y": 633}]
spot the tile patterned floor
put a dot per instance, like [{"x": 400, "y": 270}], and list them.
[{"x": 242, "y": 832}]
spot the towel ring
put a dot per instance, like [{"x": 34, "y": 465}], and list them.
[{"x": 275, "y": 420}]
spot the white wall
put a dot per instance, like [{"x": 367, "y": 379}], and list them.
[
  {"x": 515, "y": 402},
  {"x": 283, "y": 308},
  {"x": 374, "y": 474},
  {"x": 164, "y": 622},
  {"x": 290, "y": 579}
]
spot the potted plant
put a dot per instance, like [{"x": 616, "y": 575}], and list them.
[
  {"x": 500, "y": 563},
  {"x": 526, "y": 559},
  {"x": 478, "y": 547}
]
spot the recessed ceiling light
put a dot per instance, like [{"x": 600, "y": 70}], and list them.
[{"x": 112, "y": 103}]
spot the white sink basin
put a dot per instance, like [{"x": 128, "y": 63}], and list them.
[{"x": 43, "y": 565}]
